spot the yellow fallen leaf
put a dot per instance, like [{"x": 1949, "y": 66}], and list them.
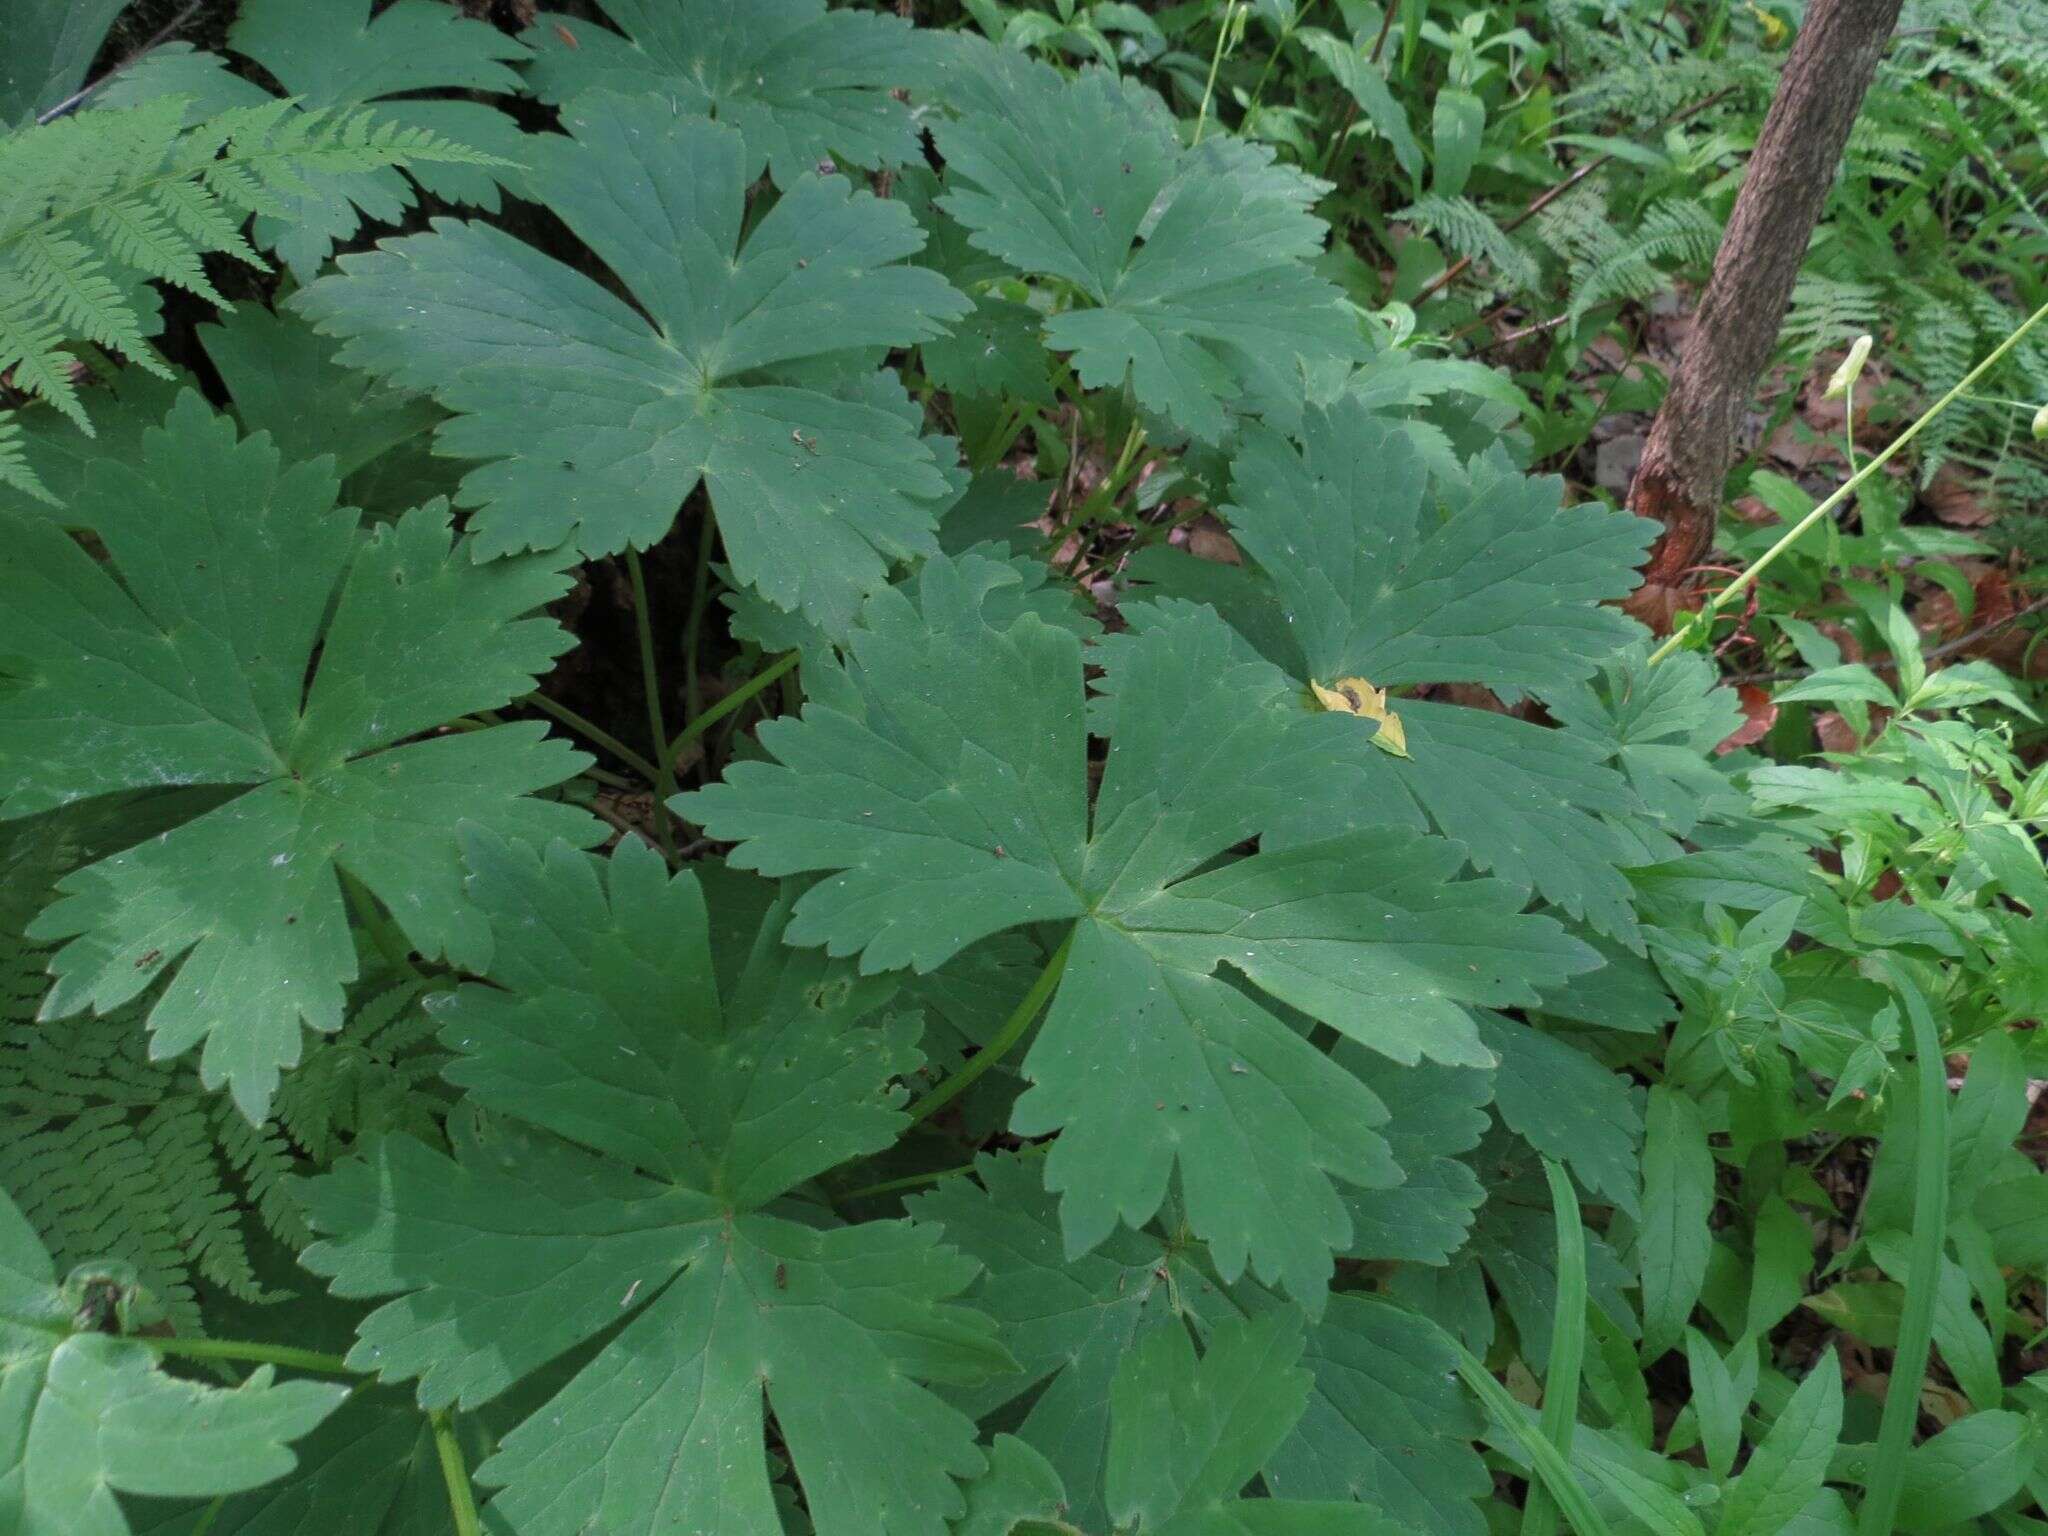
[{"x": 1355, "y": 696}]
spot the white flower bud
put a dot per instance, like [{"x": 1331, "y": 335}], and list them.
[
  {"x": 2041, "y": 424},
  {"x": 1852, "y": 365}
]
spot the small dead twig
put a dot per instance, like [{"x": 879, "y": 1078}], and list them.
[
  {"x": 78, "y": 98},
  {"x": 1552, "y": 193},
  {"x": 1941, "y": 652},
  {"x": 1740, "y": 635},
  {"x": 1523, "y": 334}
]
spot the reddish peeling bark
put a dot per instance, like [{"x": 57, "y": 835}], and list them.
[{"x": 1686, "y": 460}]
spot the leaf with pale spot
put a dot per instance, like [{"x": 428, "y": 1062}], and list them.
[{"x": 184, "y": 660}]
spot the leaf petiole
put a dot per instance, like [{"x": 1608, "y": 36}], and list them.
[
  {"x": 248, "y": 1351},
  {"x": 1000, "y": 1043},
  {"x": 455, "y": 1473},
  {"x": 650, "y": 676},
  {"x": 594, "y": 733},
  {"x": 732, "y": 701}
]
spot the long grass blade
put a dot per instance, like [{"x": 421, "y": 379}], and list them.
[
  {"x": 1923, "y": 1272},
  {"x": 1567, "y": 1347},
  {"x": 1552, "y": 1471}
]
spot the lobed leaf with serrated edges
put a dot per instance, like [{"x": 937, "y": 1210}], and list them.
[
  {"x": 944, "y": 797},
  {"x": 184, "y": 661},
  {"x": 658, "y": 1097},
  {"x": 1191, "y": 266},
  {"x": 801, "y": 84},
  {"x": 594, "y": 424}
]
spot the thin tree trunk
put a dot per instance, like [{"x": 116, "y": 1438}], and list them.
[{"x": 1692, "y": 442}]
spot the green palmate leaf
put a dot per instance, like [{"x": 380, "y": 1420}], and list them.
[
  {"x": 86, "y": 1416},
  {"x": 801, "y": 84},
  {"x": 1436, "y": 1115},
  {"x": 995, "y": 352},
  {"x": 283, "y": 380},
  {"x": 1189, "y": 267},
  {"x": 1070, "y": 1323},
  {"x": 98, "y": 204},
  {"x": 1385, "y": 1422},
  {"x": 185, "y": 661},
  {"x": 1657, "y": 725},
  {"x": 1020, "y": 1491},
  {"x": 1568, "y": 1107},
  {"x": 1625, "y": 994},
  {"x": 1514, "y": 1245},
  {"x": 692, "y": 1078},
  {"x": 948, "y": 780},
  {"x": 595, "y": 425},
  {"x": 338, "y": 54},
  {"x": 1381, "y": 1425},
  {"x": 1186, "y": 1435},
  {"x": 1501, "y": 588},
  {"x": 370, "y": 1470},
  {"x": 58, "y": 455}
]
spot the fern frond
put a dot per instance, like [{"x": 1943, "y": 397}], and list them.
[
  {"x": 1577, "y": 229},
  {"x": 91, "y": 1188},
  {"x": 94, "y": 197},
  {"x": 31, "y": 352},
  {"x": 265, "y": 1163},
  {"x": 69, "y": 283},
  {"x": 372, "y": 1077},
  {"x": 202, "y": 1209},
  {"x": 1828, "y": 312},
  {"x": 15, "y": 469},
  {"x": 1673, "y": 231},
  {"x": 1471, "y": 232},
  {"x": 145, "y": 237}
]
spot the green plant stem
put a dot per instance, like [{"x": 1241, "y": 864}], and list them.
[
  {"x": 1379, "y": 42},
  {"x": 455, "y": 1473},
  {"x": 249, "y": 1351},
  {"x": 1923, "y": 1270},
  {"x": 1011, "y": 1032},
  {"x": 732, "y": 701},
  {"x": 592, "y": 732},
  {"x": 1286, "y": 36},
  {"x": 1567, "y": 1346},
  {"x": 1129, "y": 460},
  {"x": 1849, "y": 423},
  {"x": 693, "y": 630},
  {"x": 650, "y": 677},
  {"x": 1848, "y": 488},
  {"x": 1215, "y": 63},
  {"x": 919, "y": 1180},
  {"x": 1552, "y": 1470},
  {"x": 206, "y": 1521}
]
